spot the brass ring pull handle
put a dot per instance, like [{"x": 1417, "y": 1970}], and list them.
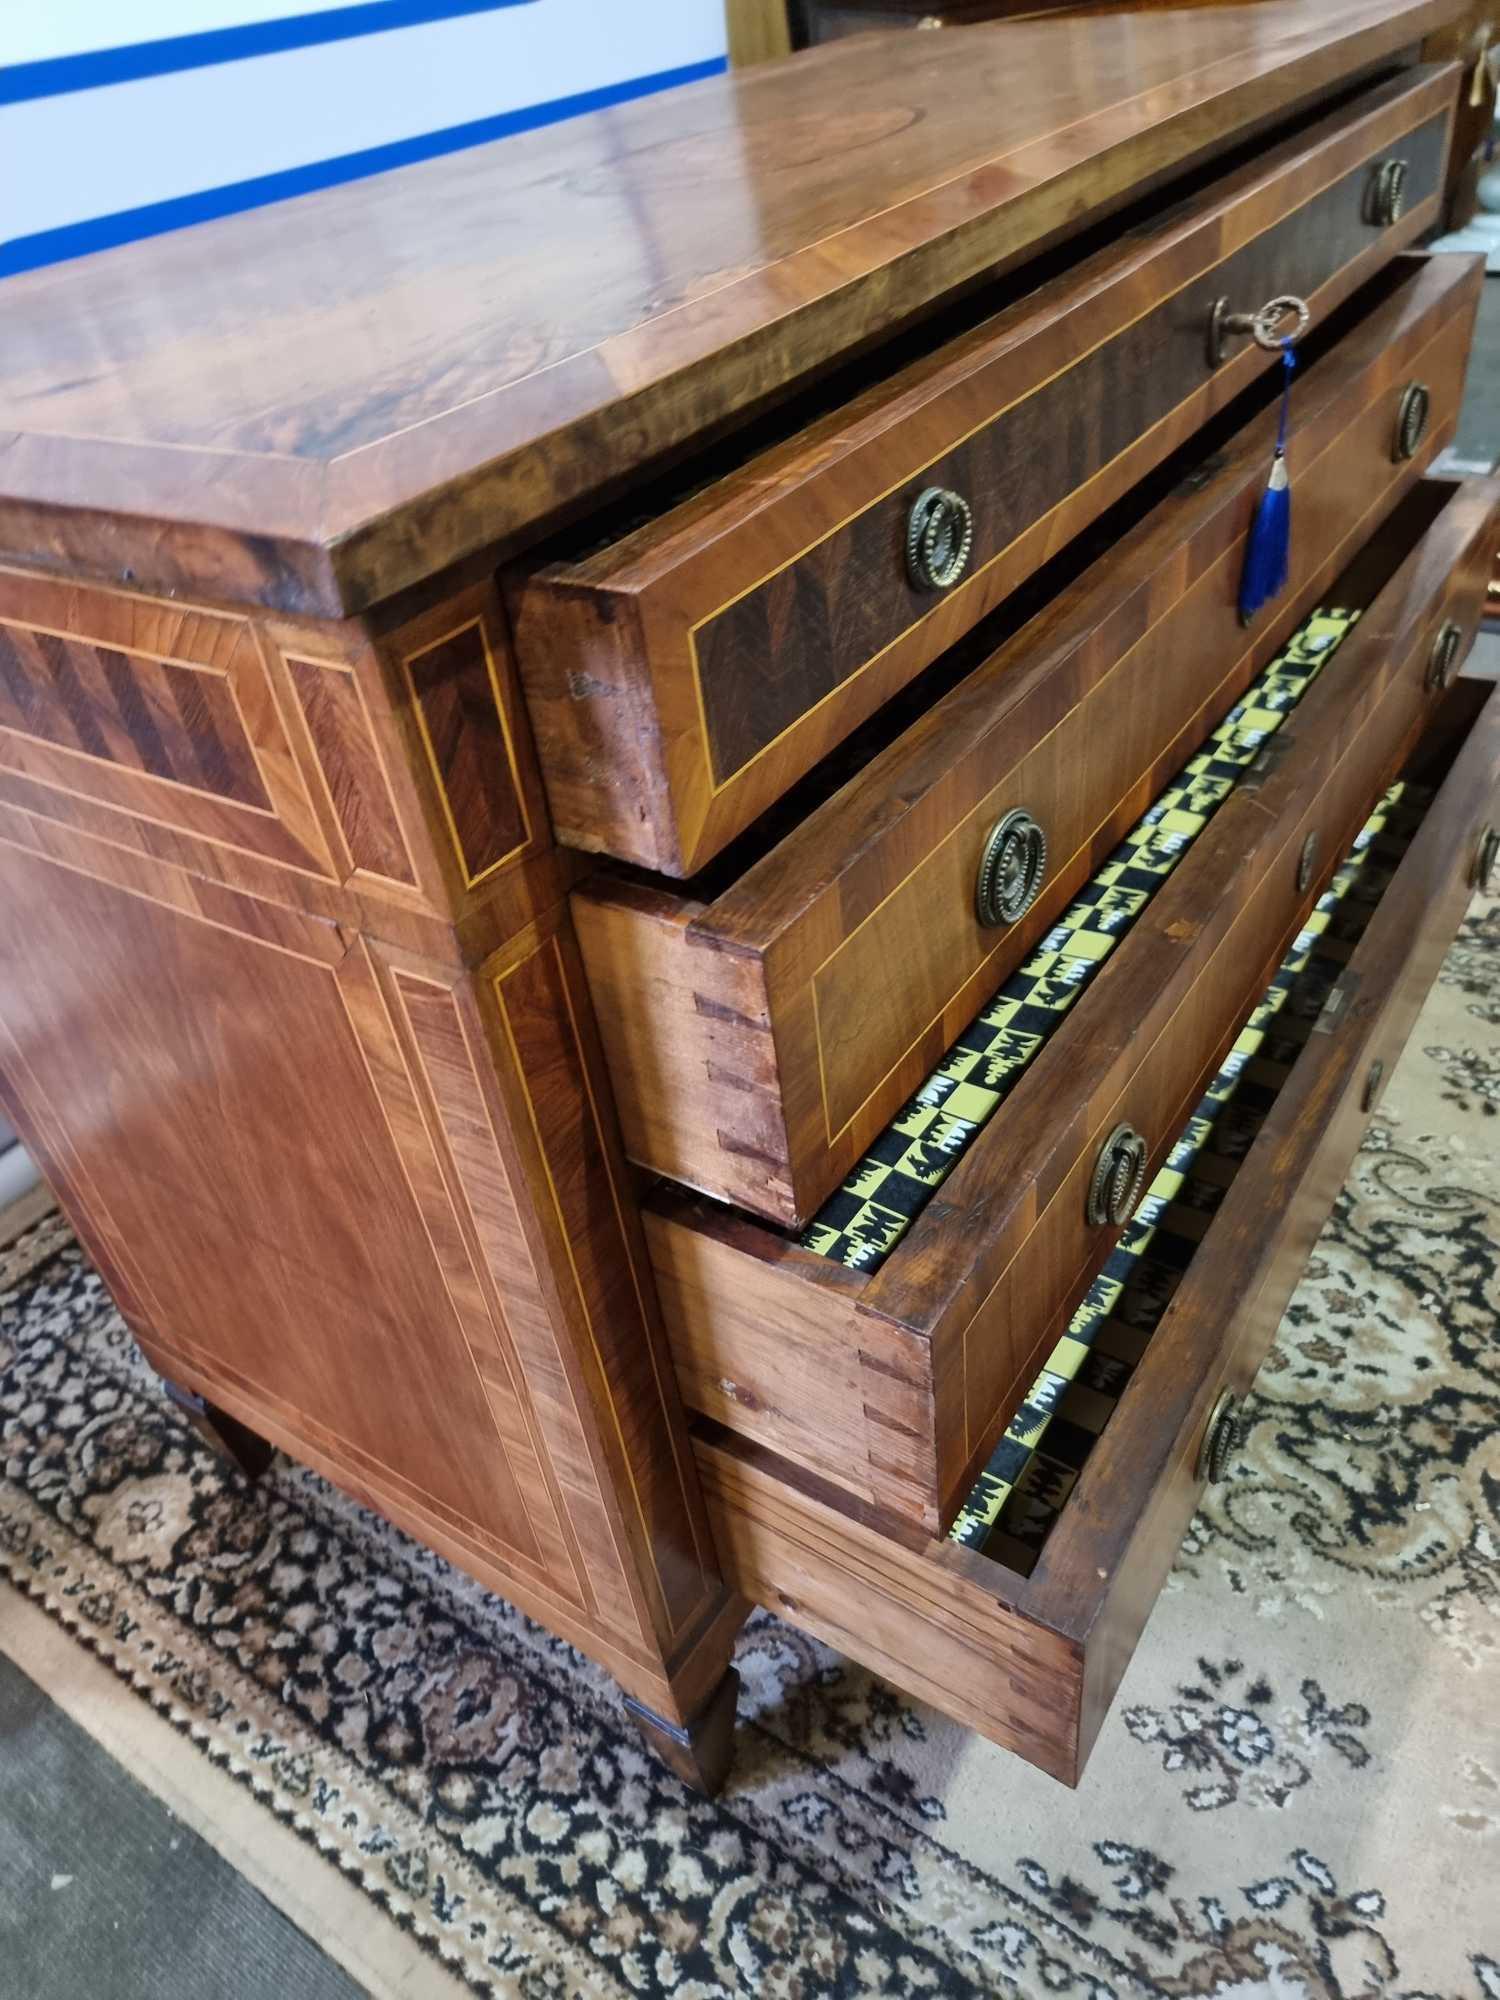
[
  {"x": 1385, "y": 197},
  {"x": 1011, "y": 869},
  {"x": 939, "y": 538},
  {"x": 1445, "y": 655},
  {"x": 1374, "y": 1077},
  {"x": 1221, "y": 1438},
  {"x": 1307, "y": 862},
  {"x": 1485, "y": 860},
  {"x": 1411, "y": 420},
  {"x": 1268, "y": 328},
  {"x": 1118, "y": 1177}
]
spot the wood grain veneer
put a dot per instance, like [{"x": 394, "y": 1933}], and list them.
[
  {"x": 1034, "y": 1663},
  {"x": 195, "y": 415},
  {"x": 896, "y": 1386},
  {"x": 293, "y": 1020},
  {"x": 760, "y": 1040}
]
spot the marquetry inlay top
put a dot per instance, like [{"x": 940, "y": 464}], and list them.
[{"x": 319, "y": 403}]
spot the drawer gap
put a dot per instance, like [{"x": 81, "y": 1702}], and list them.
[
  {"x": 1024, "y": 1490},
  {"x": 947, "y": 1114}
]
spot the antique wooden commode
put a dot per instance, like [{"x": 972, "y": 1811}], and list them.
[{"x": 543, "y": 693}]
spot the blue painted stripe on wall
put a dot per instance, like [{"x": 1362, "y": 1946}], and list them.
[
  {"x": 90, "y": 70},
  {"x": 105, "y": 232}
]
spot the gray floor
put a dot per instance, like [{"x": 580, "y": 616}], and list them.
[
  {"x": 105, "y": 1896},
  {"x": 1478, "y": 440},
  {"x": 1485, "y": 658},
  {"x": 1478, "y": 437}
]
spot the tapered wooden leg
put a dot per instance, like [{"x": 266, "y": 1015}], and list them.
[
  {"x": 699, "y": 1751},
  {"x": 245, "y": 1450}
]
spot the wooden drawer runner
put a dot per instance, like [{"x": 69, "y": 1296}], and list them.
[
  {"x": 896, "y": 1384},
  {"x": 682, "y": 676},
  {"x": 760, "y": 1039},
  {"x": 1033, "y": 1660}
]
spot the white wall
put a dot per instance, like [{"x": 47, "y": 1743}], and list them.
[{"x": 218, "y": 105}]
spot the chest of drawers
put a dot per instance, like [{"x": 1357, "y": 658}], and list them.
[{"x": 634, "y": 808}]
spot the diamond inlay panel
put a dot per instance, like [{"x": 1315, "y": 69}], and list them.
[{"x": 166, "y": 721}]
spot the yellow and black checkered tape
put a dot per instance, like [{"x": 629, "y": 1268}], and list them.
[
  {"x": 860, "y": 1225},
  {"x": 1036, "y": 1464}
]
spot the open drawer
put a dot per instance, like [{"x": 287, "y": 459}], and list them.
[
  {"x": 763, "y": 1029},
  {"x": 681, "y": 674},
  {"x": 1033, "y": 1660},
  {"x": 891, "y": 1363}
]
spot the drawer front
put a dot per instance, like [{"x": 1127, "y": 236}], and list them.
[
  {"x": 681, "y": 678},
  {"x": 923, "y": 1361},
  {"x": 760, "y": 1042},
  {"x": 1033, "y": 1661}
]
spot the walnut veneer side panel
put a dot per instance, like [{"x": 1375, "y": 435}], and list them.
[
  {"x": 369, "y": 1200},
  {"x": 162, "y": 712}
]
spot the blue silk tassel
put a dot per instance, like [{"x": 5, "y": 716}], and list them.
[{"x": 1268, "y": 553}]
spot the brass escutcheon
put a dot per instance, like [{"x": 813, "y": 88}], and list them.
[
  {"x": 939, "y": 538},
  {"x": 1220, "y": 1438},
  {"x": 1411, "y": 420},
  {"x": 1011, "y": 869},
  {"x": 1119, "y": 1173}
]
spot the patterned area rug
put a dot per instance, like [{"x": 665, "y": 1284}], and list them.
[{"x": 1296, "y": 1795}]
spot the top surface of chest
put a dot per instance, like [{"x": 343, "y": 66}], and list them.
[{"x": 322, "y": 403}]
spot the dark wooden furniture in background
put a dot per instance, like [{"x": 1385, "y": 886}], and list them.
[
  {"x": 815, "y": 21},
  {"x": 757, "y": 30},
  {"x": 1467, "y": 42},
  {"x": 351, "y": 551}
]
